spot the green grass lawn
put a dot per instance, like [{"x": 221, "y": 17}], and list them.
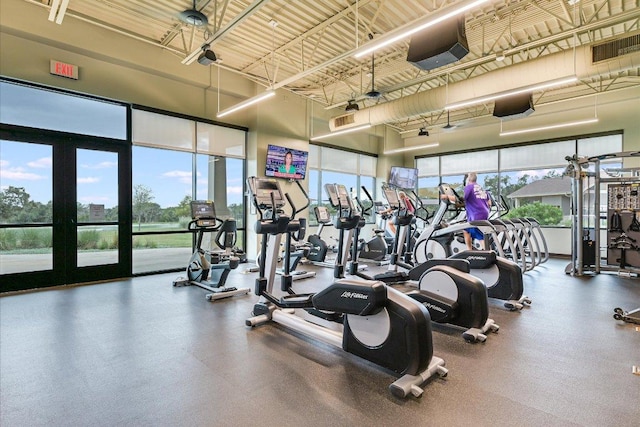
[{"x": 36, "y": 240}]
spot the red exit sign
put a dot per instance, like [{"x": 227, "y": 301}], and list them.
[{"x": 65, "y": 70}]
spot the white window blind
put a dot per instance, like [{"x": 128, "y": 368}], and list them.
[
  {"x": 368, "y": 165},
  {"x": 536, "y": 156},
  {"x": 339, "y": 161},
  {"x": 599, "y": 145},
  {"x": 157, "y": 130},
  {"x": 428, "y": 166},
  {"x": 479, "y": 161},
  {"x": 314, "y": 156},
  {"x": 220, "y": 141}
]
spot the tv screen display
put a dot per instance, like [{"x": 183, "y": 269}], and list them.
[
  {"x": 283, "y": 162},
  {"x": 403, "y": 177}
]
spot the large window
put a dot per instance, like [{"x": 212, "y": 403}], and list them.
[
  {"x": 177, "y": 160},
  {"x": 45, "y": 109},
  {"x": 529, "y": 177},
  {"x": 333, "y": 166}
]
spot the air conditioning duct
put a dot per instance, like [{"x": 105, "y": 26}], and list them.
[{"x": 524, "y": 74}]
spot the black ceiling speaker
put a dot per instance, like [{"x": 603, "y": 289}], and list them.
[
  {"x": 514, "y": 106},
  {"x": 207, "y": 57},
  {"x": 439, "y": 45},
  {"x": 352, "y": 105}
]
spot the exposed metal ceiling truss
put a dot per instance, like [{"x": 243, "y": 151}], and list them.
[{"x": 303, "y": 45}]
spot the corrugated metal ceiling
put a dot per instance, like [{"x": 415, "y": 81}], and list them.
[{"x": 282, "y": 39}]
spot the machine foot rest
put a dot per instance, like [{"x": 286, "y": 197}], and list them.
[
  {"x": 513, "y": 305},
  {"x": 220, "y": 293},
  {"x": 412, "y": 383},
  {"x": 524, "y": 300}
]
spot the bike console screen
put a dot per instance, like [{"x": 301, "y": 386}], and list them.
[{"x": 202, "y": 209}]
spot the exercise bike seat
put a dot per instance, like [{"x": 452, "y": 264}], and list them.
[{"x": 359, "y": 297}]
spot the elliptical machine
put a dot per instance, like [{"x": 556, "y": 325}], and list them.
[
  {"x": 452, "y": 295},
  {"x": 295, "y": 248},
  {"x": 502, "y": 277},
  {"x": 378, "y": 323},
  {"x": 209, "y": 270}
]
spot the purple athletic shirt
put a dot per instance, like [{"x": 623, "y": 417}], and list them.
[{"x": 476, "y": 202}]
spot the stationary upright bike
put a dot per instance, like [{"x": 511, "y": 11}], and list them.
[
  {"x": 206, "y": 269},
  {"x": 369, "y": 319}
]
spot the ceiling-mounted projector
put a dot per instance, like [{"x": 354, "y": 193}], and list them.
[{"x": 207, "y": 57}]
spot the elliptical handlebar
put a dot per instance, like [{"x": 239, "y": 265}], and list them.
[
  {"x": 420, "y": 207},
  {"x": 293, "y": 206},
  {"x": 366, "y": 211},
  {"x": 306, "y": 196}
]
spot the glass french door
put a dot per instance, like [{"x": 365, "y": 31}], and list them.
[{"x": 65, "y": 212}]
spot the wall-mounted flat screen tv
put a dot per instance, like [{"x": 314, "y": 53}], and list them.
[
  {"x": 283, "y": 162},
  {"x": 403, "y": 177}
]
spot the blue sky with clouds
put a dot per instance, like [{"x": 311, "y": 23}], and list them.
[{"x": 167, "y": 173}]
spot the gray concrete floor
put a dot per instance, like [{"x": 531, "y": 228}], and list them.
[{"x": 141, "y": 352}]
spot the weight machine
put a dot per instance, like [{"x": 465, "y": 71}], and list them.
[{"x": 620, "y": 211}]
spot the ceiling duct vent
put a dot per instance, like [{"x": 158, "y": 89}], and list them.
[
  {"x": 615, "y": 48},
  {"x": 345, "y": 120}
]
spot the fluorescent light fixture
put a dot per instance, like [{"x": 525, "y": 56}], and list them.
[
  {"x": 556, "y": 126},
  {"x": 430, "y": 20},
  {"x": 341, "y": 132},
  {"x": 413, "y": 148},
  {"x": 530, "y": 88},
  {"x": 246, "y": 103},
  {"x": 58, "y": 10},
  {"x": 54, "y": 10}
]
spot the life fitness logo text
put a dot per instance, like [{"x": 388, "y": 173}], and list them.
[
  {"x": 477, "y": 258},
  {"x": 434, "y": 307},
  {"x": 356, "y": 295}
]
